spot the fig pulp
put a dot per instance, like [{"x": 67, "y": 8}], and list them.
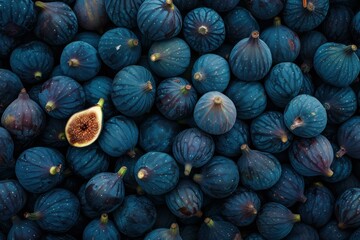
[{"x": 84, "y": 127}]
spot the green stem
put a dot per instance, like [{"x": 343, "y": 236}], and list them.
[
  {"x": 155, "y": 57},
  {"x": 55, "y": 170},
  {"x": 40, "y": 4},
  {"x": 198, "y": 76},
  {"x": 209, "y": 222},
  {"x": 185, "y": 89},
  {"x": 101, "y": 102},
  {"x": 133, "y": 43},
  {"x": 174, "y": 229},
  {"x": 73, "y": 62},
  {"x": 188, "y": 168},
  {"x": 62, "y": 136},
  {"x": 122, "y": 171},
  {"x": 38, "y": 75},
  {"x": 104, "y": 219},
  {"x": 197, "y": 178},
  {"x": 277, "y": 21},
  {"x": 33, "y": 216},
  {"x": 245, "y": 148},
  {"x": 50, "y": 106}
]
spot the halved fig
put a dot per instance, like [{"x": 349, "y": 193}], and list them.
[{"x": 84, "y": 127}]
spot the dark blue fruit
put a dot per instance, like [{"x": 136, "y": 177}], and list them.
[
  {"x": 284, "y": 43},
  {"x": 348, "y": 137},
  {"x": 219, "y": 177},
  {"x": 312, "y": 156},
  {"x": 119, "y": 47},
  {"x": 56, "y": 24},
  {"x": 101, "y": 229},
  {"x": 250, "y": 59},
  {"x": 210, "y": 73},
  {"x": 229, "y": 144},
  {"x": 123, "y": 13},
  {"x": 164, "y": 233},
  {"x": 221, "y": 6},
  {"x": 6, "y": 155},
  {"x": 302, "y": 231},
  {"x": 91, "y": 14},
  {"x": 193, "y": 148},
  {"x": 265, "y": 9},
  {"x": 213, "y": 229},
  {"x": 347, "y": 207},
  {"x": 23, "y": 118},
  {"x": 186, "y": 200},
  {"x": 40, "y": 169},
  {"x": 56, "y": 210},
  {"x": 310, "y": 42},
  {"x": 337, "y": 64},
  {"x": 129, "y": 160},
  {"x": 289, "y": 189},
  {"x": 10, "y": 86},
  {"x": 156, "y": 173},
  {"x": 91, "y": 38},
  {"x": 305, "y": 116},
  {"x": 12, "y": 198},
  {"x": 169, "y": 58},
  {"x": 159, "y": 19},
  {"x": 275, "y": 221},
  {"x": 318, "y": 208},
  {"x": 215, "y": 113},
  {"x": 135, "y": 216},
  {"x": 239, "y": 24},
  {"x": 119, "y": 135},
  {"x": 258, "y": 170},
  {"x": 105, "y": 191},
  {"x": 133, "y": 91},
  {"x": 24, "y": 229},
  {"x": 269, "y": 133},
  {"x": 80, "y": 61},
  {"x": 249, "y": 98},
  {"x": 87, "y": 161},
  {"x": 17, "y": 18},
  {"x": 255, "y": 236},
  {"x": 176, "y": 98},
  {"x": 157, "y": 133},
  {"x": 32, "y": 62},
  {"x": 86, "y": 210},
  {"x": 54, "y": 133},
  {"x": 332, "y": 232},
  {"x": 204, "y": 29},
  {"x": 355, "y": 28},
  {"x": 241, "y": 208}
]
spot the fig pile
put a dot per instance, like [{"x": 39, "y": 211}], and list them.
[{"x": 180, "y": 119}]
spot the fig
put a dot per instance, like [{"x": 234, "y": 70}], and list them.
[{"x": 84, "y": 127}]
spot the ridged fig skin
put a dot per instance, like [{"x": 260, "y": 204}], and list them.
[
  {"x": 56, "y": 211},
  {"x": 213, "y": 229},
  {"x": 204, "y": 29},
  {"x": 219, "y": 177},
  {"x": 135, "y": 216},
  {"x": 24, "y": 229},
  {"x": 275, "y": 221},
  {"x": 33, "y": 169},
  {"x": 303, "y": 231},
  {"x": 86, "y": 210},
  {"x": 186, "y": 200},
  {"x": 264, "y": 9},
  {"x": 13, "y": 198},
  {"x": 337, "y": 64},
  {"x": 176, "y": 98},
  {"x": 10, "y": 86},
  {"x": 119, "y": 135},
  {"x": 56, "y": 24},
  {"x": 289, "y": 189},
  {"x": 305, "y": 116},
  {"x": 312, "y": 156},
  {"x": 194, "y": 148},
  {"x": 318, "y": 208},
  {"x": 241, "y": 208},
  {"x": 229, "y": 144},
  {"x": 123, "y": 13},
  {"x": 250, "y": 59},
  {"x": 215, "y": 113},
  {"x": 157, "y": 173},
  {"x": 171, "y": 233},
  {"x": 310, "y": 42},
  {"x": 269, "y": 133},
  {"x": 221, "y": 6},
  {"x": 348, "y": 138},
  {"x": 101, "y": 228},
  {"x": 133, "y": 91},
  {"x": 347, "y": 207},
  {"x": 105, "y": 191},
  {"x": 258, "y": 170},
  {"x": 53, "y": 134},
  {"x": 302, "y": 18},
  {"x": 158, "y": 20},
  {"x": 91, "y": 14},
  {"x": 32, "y": 62},
  {"x": 7, "y": 147},
  {"x": 23, "y": 118},
  {"x": 331, "y": 231}
]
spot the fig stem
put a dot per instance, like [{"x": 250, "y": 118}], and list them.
[
  {"x": 170, "y": 4},
  {"x": 284, "y": 138},
  {"x": 143, "y": 173},
  {"x": 203, "y": 30},
  {"x": 277, "y": 21},
  {"x": 245, "y": 148},
  {"x": 304, "y": 2},
  {"x": 251, "y": 208},
  {"x": 341, "y": 152},
  {"x": 155, "y": 57},
  {"x": 174, "y": 229},
  {"x": 187, "y": 170},
  {"x": 185, "y": 89},
  {"x": 298, "y": 122},
  {"x": 33, "y": 216},
  {"x": 55, "y": 169},
  {"x": 131, "y": 153},
  {"x": 38, "y": 75},
  {"x": 328, "y": 172},
  {"x": 198, "y": 76},
  {"x": 351, "y": 48},
  {"x": 50, "y": 106},
  {"x": 310, "y": 7},
  {"x": 62, "y": 136},
  {"x": 40, "y": 4},
  {"x": 217, "y": 100},
  {"x": 197, "y": 178},
  {"x": 302, "y": 198},
  {"x": 122, "y": 171},
  {"x": 209, "y": 222},
  {"x": 297, "y": 218},
  {"x": 133, "y": 43},
  {"x": 101, "y": 102},
  {"x": 73, "y": 62},
  {"x": 148, "y": 86},
  {"x": 104, "y": 219}
]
